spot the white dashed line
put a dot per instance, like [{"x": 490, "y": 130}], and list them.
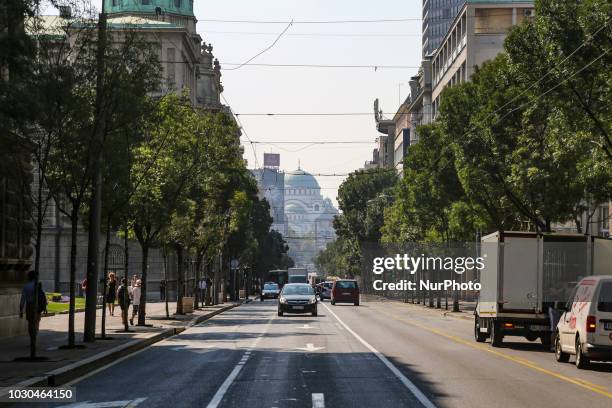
[{"x": 318, "y": 401}]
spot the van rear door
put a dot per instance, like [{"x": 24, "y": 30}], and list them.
[{"x": 603, "y": 314}]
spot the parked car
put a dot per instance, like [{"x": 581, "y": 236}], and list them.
[
  {"x": 345, "y": 291},
  {"x": 297, "y": 298},
  {"x": 585, "y": 328},
  {"x": 326, "y": 288},
  {"x": 270, "y": 291}
]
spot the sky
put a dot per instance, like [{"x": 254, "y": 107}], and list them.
[{"x": 253, "y": 89}]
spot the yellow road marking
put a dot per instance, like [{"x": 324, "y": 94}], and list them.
[{"x": 598, "y": 389}]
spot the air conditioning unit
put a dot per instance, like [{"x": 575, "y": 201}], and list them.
[{"x": 529, "y": 12}]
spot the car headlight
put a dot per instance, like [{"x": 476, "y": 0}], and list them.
[
  {"x": 312, "y": 300},
  {"x": 283, "y": 299}
]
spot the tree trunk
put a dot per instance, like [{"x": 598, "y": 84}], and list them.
[
  {"x": 179, "y": 280},
  {"x": 104, "y": 275},
  {"x": 126, "y": 297},
  {"x": 143, "y": 286},
  {"x": 198, "y": 277},
  {"x": 166, "y": 282},
  {"x": 74, "y": 219}
]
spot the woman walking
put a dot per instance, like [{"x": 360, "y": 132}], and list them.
[
  {"x": 111, "y": 293},
  {"x": 135, "y": 300}
]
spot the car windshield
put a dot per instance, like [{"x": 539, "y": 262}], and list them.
[
  {"x": 298, "y": 290},
  {"x": 270, "y": 286},
  {"x": 604, "y": 304},
  {"x": 346, "y": 284}
]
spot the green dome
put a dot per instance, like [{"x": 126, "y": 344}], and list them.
[
  {"x": 301, "y": 179},
  {"x": 183, "y": 7}
]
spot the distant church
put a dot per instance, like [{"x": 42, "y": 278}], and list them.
[{"x": 300, "y": 212}]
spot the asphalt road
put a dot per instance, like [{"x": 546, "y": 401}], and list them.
[{"x": 380, "y": 354}]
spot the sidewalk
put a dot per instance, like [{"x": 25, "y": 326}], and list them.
[
  {"x": 466, "y": 309},
  {"x": 63, "y": 364}
]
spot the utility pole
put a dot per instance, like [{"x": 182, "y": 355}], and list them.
[{"x": 89, "y": 332}]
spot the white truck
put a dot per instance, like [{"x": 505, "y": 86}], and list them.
[
  {"x": 297, "y": 275},
  {"x": 527, "y": 273}
]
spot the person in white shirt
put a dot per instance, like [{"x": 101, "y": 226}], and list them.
[{"x": 136, "y": 300}]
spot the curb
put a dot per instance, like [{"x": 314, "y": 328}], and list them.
[
  {"x": 442, "y": 312},
  {"x": 67, "y": 373}
]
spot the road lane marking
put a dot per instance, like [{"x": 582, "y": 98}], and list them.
[
  {"x": 218, "y": 397},
  {"x": 106, "y": 404},
  {"x": 310, "y": 347},
  {"x": 318, "y": 400},
  {"x": 404, "y": 380},
  {"x": 518, "y": 360}
]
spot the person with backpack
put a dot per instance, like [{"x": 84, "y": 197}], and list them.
[{"x": 32, "y": 305}]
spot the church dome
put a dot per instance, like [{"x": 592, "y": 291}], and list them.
[
  {"x": 181, "y": 7},
  {"x": 300, "y": 179}
]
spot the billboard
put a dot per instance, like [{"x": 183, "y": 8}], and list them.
[{"x": 271, "y": 160}]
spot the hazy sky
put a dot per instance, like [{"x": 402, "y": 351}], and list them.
[{"x": 303, "y": 90}]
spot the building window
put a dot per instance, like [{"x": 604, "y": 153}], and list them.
[
  {"x": 146, "y": 2},
  {"x": 316, "y": 207},
  {"x": 177, "y": 3},
  {"x": 604, "y": 217}
]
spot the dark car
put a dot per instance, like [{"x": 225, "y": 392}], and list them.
[
  {"x": 345, "y": 291},
  {"x": 326, "y": 288},
  {"x": 270, "y": 290},
  {"x": 297, "y": 298}
]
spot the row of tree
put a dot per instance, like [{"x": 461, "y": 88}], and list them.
[
  {"x": 173, "y": 176},
  {"x": 523, "y": 145}
]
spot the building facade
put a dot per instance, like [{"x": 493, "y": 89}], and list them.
[
  {"x": 299, "y": 211},
  {"x": 437, "y": 17},
  {"x": 476, "y": 35},
  {"x": 188, "y": 67}
]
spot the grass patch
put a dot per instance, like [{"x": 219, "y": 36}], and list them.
[{"x": 56, "y": 307}]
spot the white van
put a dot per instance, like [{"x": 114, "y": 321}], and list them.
[{"x": 585, "y": 328}]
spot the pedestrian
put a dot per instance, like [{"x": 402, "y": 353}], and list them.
[
  {"x": 162, "y": 290},
  {"x": 29, "y": 302},
  {"x": 136, "y": 300},
  {"x": 202, "y": 290},
  {"x": 83, "y": 286},
  {"x": 111, "y": 293},
  {"x": 124, "y": 300}
]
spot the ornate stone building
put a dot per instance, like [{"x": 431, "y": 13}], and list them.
[{"x": 188, "y": 66}]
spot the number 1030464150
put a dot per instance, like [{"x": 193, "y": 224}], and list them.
[{"x": 37, "y": 394}]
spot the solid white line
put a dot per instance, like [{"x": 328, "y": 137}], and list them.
[
  {"x": 407, "y": 383},
  {"x": 214, "y": 403},
  {"x": 318, "y": 401}
]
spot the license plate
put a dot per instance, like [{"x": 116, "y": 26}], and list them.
[
  {"x": 347, "y": 293},
  {"x": 535, "y": 327},
  {"x": 298, "y": 307},
  {"x": 608, "y": 326}
]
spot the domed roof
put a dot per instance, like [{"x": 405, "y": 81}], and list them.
[
  {"x": 183, "y": 7},
  {"x": 300, "y": 179}
]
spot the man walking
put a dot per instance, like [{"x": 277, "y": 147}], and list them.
[
  {"x": 32, "y": 305},
  {"x": 123, "y": 296}
]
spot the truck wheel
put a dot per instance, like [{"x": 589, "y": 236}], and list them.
[
  {"x": 582, "y": 362},
  {"x": 496, "y": 336},
  {"x": 560, "y": 356},
  {"x": 478, "y": 336}
]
